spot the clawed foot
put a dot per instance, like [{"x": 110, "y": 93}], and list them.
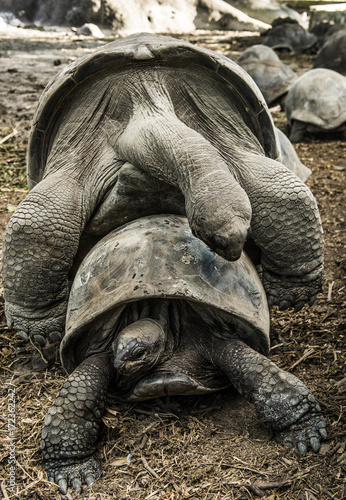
[
  {"x": 39, "y": 326},
  {"x": 73, "y": 475},
  {"x": 292, "y": 291},
  {"x": 304, "y": 434}
]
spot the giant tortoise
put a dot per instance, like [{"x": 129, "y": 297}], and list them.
[
  {"x": 145, "y": 125},
  {"x": 332, "y": 54},
  {"x": 154, "y": 312},
  {"x": 316, "y": 103},
  {"x": 287, "y": 35},
  {"x": 273, "y": 77}
]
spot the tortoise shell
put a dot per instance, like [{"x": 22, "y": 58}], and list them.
[
  {"x": 290, "y": 36},
  {"x": 289, "y": 157},
  {"x": 157, "y": 257},
  {"x": 273, "y": 78},
  {"x": 133, "y": 53},
  {"x": 318, "y": 98},
  {"x": 332, "y": 54}
]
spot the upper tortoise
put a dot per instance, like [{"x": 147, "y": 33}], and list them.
[{"x": 147, "y": 125}]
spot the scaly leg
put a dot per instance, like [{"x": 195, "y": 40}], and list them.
[
  {"x": 280, "y": 397},
  {"x": 40, "y": 243},
  {"x": 72, "y": 425}
]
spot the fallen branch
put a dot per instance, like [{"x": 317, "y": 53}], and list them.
[
  {"x": 305, "y": 355},
  {"x": 257, "y": 488},
  {"x": 9, "y": 136},
  {"x": 274, "y": 484},
  {"x": 149, "y": 469}
]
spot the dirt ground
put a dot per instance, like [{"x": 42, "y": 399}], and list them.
[{"x": 196, "y": 448}]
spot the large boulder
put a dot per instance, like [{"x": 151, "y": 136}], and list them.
[{"x": 174, "y": 16}]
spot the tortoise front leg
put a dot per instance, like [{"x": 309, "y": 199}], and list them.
[
  {"x": 39, "y": 246},
  {"x": 280, "y": 397},
  {"x": 72, "y": 425},
  {"x": 298, "y": 130}
]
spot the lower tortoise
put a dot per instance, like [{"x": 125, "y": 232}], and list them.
[{"x": 154, "y": 312}]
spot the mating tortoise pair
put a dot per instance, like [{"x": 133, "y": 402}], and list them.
[{"x": 169, "y": 150}]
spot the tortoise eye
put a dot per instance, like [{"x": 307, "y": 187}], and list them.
[{"x": 138, "y": 353}]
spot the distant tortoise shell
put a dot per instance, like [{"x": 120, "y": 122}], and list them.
[
  {"x": 158, "y": 257},
  {"x": 137, "y": 51},
  {"x": 273, "y": 78},
  {"x": 332, "y": 54},
  {"x": 290, "y": 36},
  {"x": 318, "y": 98}
]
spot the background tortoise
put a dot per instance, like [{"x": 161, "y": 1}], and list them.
[
  {"x": 316, "y": 102},
  {"x": 212, "y": 321},
  {"x": 273, "y": 77},
  {"x": 149, "y": 124},
  {"x": 289, "y": 36},
  {"x": 332, "y": 54}
]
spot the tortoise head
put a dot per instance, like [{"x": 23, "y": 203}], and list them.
[{"x": 139, "y": 346}]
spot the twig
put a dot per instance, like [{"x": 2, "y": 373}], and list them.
[
  {"x": 330, "y": 288},
  {"x": 305, "y": 355},
  {"x": 151, "y": 494},
  {"x": 3, "y": 490},
  {"x": 254, "y": 489},
  {"x": 9, "y": 136},
  {"x": 149, "y": 469},
  {"x": 274, "y": 484}
]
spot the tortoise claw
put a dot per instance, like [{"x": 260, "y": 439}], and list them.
[
  {"x": 23, "y": 336},
  {"x": 284, "y": 304},
  {"x": 54, "y": 336},
  {"x": 73, "y": 475},
  {"x": 76, "y": 484},
  {"x": 307, "y": 432},
  {"x": 312, "y": 300},
  {"x": 271, "y": 300},
  {"x": 299, "y": 305},
  {"x": 89, "y": 479},
  {"x": 323, "y": 433},
  {"x": 40, "y": 340},
  {"x": 302, "y": 448},
  {"x": 62, "y": 486},
  {"x": 315, "y": 444}
]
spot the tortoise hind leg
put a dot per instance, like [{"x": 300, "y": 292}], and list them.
[
  {"x": 280, "y": 397},
  {"x": 72, "y": 425}
]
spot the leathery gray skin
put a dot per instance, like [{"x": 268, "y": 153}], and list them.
[
  {"x": 71, "y": 427},
  {"x": 156, "y": 147}
]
